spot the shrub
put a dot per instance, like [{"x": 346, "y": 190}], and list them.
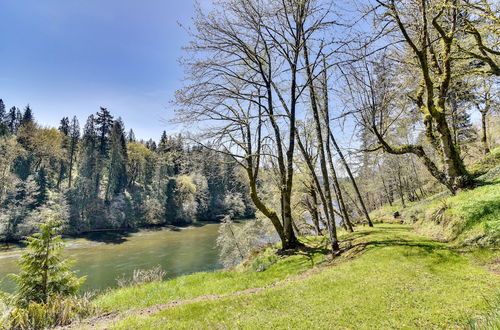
[{"x": 141, "y": 276}]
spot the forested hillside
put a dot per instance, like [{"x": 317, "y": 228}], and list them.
[{"x": 100, "y": 177}]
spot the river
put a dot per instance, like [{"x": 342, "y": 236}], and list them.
[{"x": 105, "y": 256}]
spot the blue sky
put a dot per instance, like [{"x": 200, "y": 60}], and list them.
[{"x": 68, "y": 57}]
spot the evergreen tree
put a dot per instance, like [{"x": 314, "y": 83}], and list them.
[
  {"x": 84, "y": 194},
  {"x": 11, "y": 120},
  {"x": 151, "y": 145},
  {"x": 117, "y": 172},
  {"x": 74, "y": 135},
  {"x": 131, "y": 136},
  {"x": 27, "y": 116},
  {"x": 163, "y": 146},
  {"x": 172, "y": 203},
  {"x": 63, "y": 163},
  {"x": 44, "y": 273},
  {"x": 103, "y": 125},
  {"x": 43, "y": 188},
  {"x": 2, "y": 110},
  {"x": 19, "y": 118},
  {"x": 64, "y": 126},
  {"x": 4, "y": 129}
]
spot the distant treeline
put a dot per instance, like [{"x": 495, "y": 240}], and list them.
[{"x": 102, "y": 177}]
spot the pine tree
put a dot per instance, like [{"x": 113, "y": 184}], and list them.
[
  {"x": 44, "y": 273},
  {"x": 74, "y": 134},
  {"x": 43, "y": 189},
  {"x": 163, "y": 146},
  {"x": 3, "y": 126},
  {"x": 2, "y": 110},
  {"x": 103, "y": 125},
  {"x": 27, "y": 116},
  {"x": 64, "y": 126},
  {"x": 131, "y": 136},
  {"x": 117, "y": 173},
  {"x": 84, "y": 194},
  {"x": 63, "y": 163},
  {"x": 151, "y": 145},
  {"x": 11, "y": 120}
]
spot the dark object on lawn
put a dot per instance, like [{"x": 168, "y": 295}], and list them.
[{"x": 396, "y": 215}]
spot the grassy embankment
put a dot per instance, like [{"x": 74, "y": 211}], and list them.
[
  {"x": 471, "y": 218},
  {"x": 388, "y": 277}
]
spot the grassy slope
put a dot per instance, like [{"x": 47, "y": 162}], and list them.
[
  {"x": 471, "y": 217},
  {"x": 220, "y": 282},
  {"x": 397, "y": 279}
]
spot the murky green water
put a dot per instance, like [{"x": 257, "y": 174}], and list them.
[{"x": 103, "y": 257}]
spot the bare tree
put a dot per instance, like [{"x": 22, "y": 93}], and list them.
[{"x": 243, "y": 72}]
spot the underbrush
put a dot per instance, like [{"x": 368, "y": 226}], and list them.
[
  {"x": 57, "y": 311},
  {"x": 142, "y": 276}
]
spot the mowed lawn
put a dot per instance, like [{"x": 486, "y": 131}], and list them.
[{"x": 390, "y": 278}]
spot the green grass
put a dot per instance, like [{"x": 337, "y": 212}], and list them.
[
  {"x": 472, "y": 217},
  {"x": 395, "y": 279},
  {"x": 220, "y": 282}
]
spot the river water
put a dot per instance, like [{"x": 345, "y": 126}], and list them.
[{"x": 104, "y": 257}]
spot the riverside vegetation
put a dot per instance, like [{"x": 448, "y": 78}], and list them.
[
  {"x": 363, "y": 138},
  {"x": 387, "y": 276}
]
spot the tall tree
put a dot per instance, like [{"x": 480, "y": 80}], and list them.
[
  {"x": 430, "y": 31},
  {"x": 4, "y": 129},
  {"x": 103, "y": 125},
  {"x": 12, "y": 120},
  {"x": 117, "y": 169},
  {"x": 63, "y": 162},
  {"x": 251, "y": 84},
  {"x": 43, "y": 189},
  {"x": 74, "y": 134},
  {"x": 131, "y": 136},
  {"x": 27, "y": 116}
]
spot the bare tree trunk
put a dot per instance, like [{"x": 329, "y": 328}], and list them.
[
  {"x": 314, "y": 210},
  {"x": 321, "y": 148},
  {"x": 330, "y": 217},
  {"x": 336, "y": 185},
  {"x": 353, "y": 180},
  {"x": 484, "y": 133}
]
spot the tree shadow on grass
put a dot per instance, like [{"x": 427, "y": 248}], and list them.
[{"x": 416, "y": 249}]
